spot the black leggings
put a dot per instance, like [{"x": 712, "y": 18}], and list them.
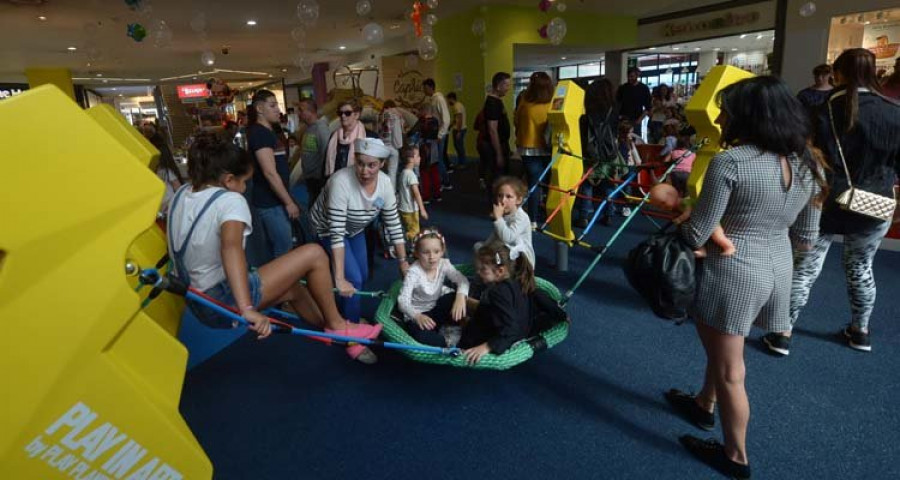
[{"x": 441, "y": 314}]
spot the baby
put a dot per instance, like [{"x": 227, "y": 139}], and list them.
[{"x": 666, "y": 197}]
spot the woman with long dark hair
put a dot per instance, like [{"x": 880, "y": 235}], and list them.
[
  {"x": 867, "y": 125},
  {"x": 531, "y": 128},
  {"x": 764, "y": 191},
  {"x": 167, "y": 170},
  {"x": 598, "y": 126}
]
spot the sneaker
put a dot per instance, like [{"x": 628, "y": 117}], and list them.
[
  {"x": 452, "y": 334},
  {"x": 581, "y": 223},
  {"x": 439, "y": 199},
  {"x": 712, "y": 453},
  {"x": 446, "y": 187},
  {"x": 626, "y": 212},
  {"x": 426, "y": 202},
  {"x": 534, "y": 225},
  {"x": 857, "y": 339},
  {"x": 367, "y": 356},
  {"x": 686, "y": 405},
  {"x": 778, "y": 343}
]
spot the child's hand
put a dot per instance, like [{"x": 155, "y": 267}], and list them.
[
  {"x": 259, "y": 323},
  {"x": 498, "y": 211},
  {"x": 345, "y": 288},
  {"x": 686, "y": 214},
  {"x": 425, "y": 322},
  {"x": 474, "y": 354},
  {"x": 458, "y": 312},
  {"x": 423, "y": 214}
]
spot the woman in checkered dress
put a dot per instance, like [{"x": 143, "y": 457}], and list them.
[{"x": 763, "y": 191}]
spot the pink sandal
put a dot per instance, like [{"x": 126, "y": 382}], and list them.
[{"x": 362, "y": 331}]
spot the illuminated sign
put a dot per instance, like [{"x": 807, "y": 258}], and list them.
[
  {"x": 197, "y": 90},
  {"x": 715, "y": 23}
]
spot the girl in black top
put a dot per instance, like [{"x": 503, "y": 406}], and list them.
[{"x": 510, "y": 308}]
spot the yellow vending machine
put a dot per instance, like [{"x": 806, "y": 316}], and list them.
[
  {"x": 91, "y": 382},
  {"x": 565, "y": 110},
  {"x": 702, "y": 111}
]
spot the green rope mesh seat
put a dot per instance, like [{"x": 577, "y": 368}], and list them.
[{"x": 393, "y": 331}]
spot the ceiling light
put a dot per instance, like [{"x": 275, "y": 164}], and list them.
[
  {"x": 252, "y": 23},
  {"x": 99, "y": 74},
  {"x": 395, "y": 26},
  {"x": 114, "y": 88},
  {"x": 868, "y": 23},
  {"x": 744, "y": 35},
  {"x": 284, "y": 70},
  {"x": 733, "y": 49},
  {"x": 717, "y": 49},
  {"x": 696, "y": 49},
  {"x": 562, "y": 58},
  {"x": 342, "y": 47},
  {"x": 676, "y": 48},
  {"x": 42, "y": 18},
  {"x": 71, "y": 49},
  {"x": 652, "y": 48},
  {"x": 759, "y": 37}
]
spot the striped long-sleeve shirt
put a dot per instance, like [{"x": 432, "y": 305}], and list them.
[{"x": 344, "y": 210}]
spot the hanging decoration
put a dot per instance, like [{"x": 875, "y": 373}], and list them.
[
  {"x": 544, "y": 5},
  {"x": 431, "y": 19},
  {"x": 416, "y": 17},
  {"x": 162, "y": 35},
  {"x": 137, "y": 32},
  {"x": 134, "y": 4},
  {"x": 308, "y": 12},
  {"x": 808, "y": 9},
  {"x": 560, "y": 7},
  {"x": 298, "y": 34},
  {"x": 478, "y": 27},
  {"x": 432, "y": 4},
  {"x": 373, "y": 33},
  {"x": 556, "y": 30},
  {"x": 208, "y": 58},
  {"x": 543, "y": 31},
  {"x": 428, "y": 48}
]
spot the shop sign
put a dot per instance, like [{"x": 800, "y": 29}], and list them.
[
  {"x": 408, "y": 88},
  {"x": 726, "y": 20},
  {"x": 197, "y": 90},
  {"x": 8, "y": 90}
]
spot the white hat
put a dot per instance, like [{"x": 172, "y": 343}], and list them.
[{"x": 372, "y": 147}]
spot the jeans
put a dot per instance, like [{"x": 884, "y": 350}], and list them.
[
  {"x": 459, "y": 143},
  {"x": 277, "y": 227},
  {"x": 859, "y": 253},
  {"x": 356, "y": 271},
  {"x": 534, "y": 167},
  {"x": 222, "y": 292},
  {"x": 602, "y": 190}
]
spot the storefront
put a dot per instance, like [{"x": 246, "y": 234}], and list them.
[{"x": 878, "y": 31}]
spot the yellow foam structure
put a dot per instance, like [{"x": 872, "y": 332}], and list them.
[
  {"x": 566, "y": 109},
  {"x": 702, "y": 111},
  {"x": 91, "y": 383},
  {"x": 150, "y": 246}
]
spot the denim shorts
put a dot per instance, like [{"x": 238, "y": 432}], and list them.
[{"x": 222, "y": 292}]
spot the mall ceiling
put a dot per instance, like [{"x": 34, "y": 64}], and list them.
[{"x": 90, "y": 36}]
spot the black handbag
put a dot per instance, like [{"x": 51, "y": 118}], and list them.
[{"x": 662, "y": 270}]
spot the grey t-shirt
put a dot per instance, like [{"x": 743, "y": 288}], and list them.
[{"x": 315, "y": 143}]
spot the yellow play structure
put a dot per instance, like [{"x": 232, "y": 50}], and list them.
[
  {"x": 702, "y": 111},
  {"x": 566, "y": 109},
  {"x": 91, "y": 381}
]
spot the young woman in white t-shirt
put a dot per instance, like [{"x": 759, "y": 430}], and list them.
[{"x": 209, "y": 221}]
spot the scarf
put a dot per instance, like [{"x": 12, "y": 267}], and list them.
[{"x": 331, "y": 155}]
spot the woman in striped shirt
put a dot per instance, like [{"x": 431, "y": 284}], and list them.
[{"x": 352, "y": 198}]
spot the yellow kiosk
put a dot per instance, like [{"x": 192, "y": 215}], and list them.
[
  {"x": 91, "y": 382},
  {"x": 702, "y": 111}
]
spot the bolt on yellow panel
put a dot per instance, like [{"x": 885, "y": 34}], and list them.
[{"x": 91, "y": 382}]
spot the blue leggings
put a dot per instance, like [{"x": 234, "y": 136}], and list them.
[{"x": 356, "y": 271}]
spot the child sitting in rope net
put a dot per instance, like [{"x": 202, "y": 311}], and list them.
[
  {"x": 509, "y": 309},
  {"x": 431, "y": 309},
  {"x": 666, "y": 197}
]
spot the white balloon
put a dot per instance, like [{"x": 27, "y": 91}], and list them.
[
  {"x": 556, "y": 30},
  {"x": 308, "y": 11},
  {"x": 428, "y": 48},
  {"x": 560, "y": 7},
  {"x": 478, "y": 27},
  {"x": 162, "y": 36},
  {"x": 432, "y": 4},
  {"x": 298, "y": 34},
  {"x": 373, "y": 34},
  {"x": 363, "y": 8},
  {"x": 198, "y": 23},
  {"x": 808, "y": 9},
  {"x": 208, "y": 58},
  {"x": 427, "y": 30},
  {"x": 431, "y": 19}
]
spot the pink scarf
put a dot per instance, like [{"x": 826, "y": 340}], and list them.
[{"x": 331, "y": 155}]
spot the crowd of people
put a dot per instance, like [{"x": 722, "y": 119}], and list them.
[{"x": 772, "y": 194}]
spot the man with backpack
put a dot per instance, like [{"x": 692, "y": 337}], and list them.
[{"x": 598, "y": 127}]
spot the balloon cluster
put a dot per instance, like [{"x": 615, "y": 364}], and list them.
[
  {"x": 544, "y": 5},
  {"x": 137, "y": 32},
  {"x": 808, "y": 9},
  {"x": 308, "y": 15},
  {"x": 554, "y": 30},
  {"x": 426, "y": 45}
]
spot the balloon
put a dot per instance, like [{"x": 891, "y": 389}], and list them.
[
  {"x": 363, "y": 8},
  {"x": 478, "y": 27},
  {"x": 431, "y": 19},
  {"x": 208, "y": 58},
  {"x": 302, "y": 62},
  {"x": 560, "y": 7},
  {"x": 373, "y": 34},
  {"x": 137, "y": 32},
  {"x": 427, "y": 30},
  {"x": 544, "y": 5},
  {"x": 428, "y": 48},
  {"x": 807, "y": 9},
  {"x": 432, "y": 4},
  {"x": 198, "y": 23},
  {"x": 162, "y": 36},
  {"x": 542, "y": 32},
  {"x": 299, "y": 35},
  {"x": 308, "y": 11},
  {"x": 133, "y": 4},
  {"x": 556, "y": 30}
]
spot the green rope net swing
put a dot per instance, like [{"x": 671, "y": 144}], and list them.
[{"x": 393, "y": 330}]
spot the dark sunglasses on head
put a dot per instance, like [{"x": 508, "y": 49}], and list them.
[{"x": 346, "y": 113}]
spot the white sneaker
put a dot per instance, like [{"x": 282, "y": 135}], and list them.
[
  {"x": 626, "y": 212},
  {"x": 367, "y": 357}
]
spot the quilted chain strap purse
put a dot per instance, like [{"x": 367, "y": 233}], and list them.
[{"x": 855, "y": 199}]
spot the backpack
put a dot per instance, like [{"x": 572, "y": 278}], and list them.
[
  {"x": 600, "y": 144},
  {"x": 662, "y": 270}
]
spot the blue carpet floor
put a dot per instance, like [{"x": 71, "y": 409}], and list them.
[{"x": 591, "y": 408}]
